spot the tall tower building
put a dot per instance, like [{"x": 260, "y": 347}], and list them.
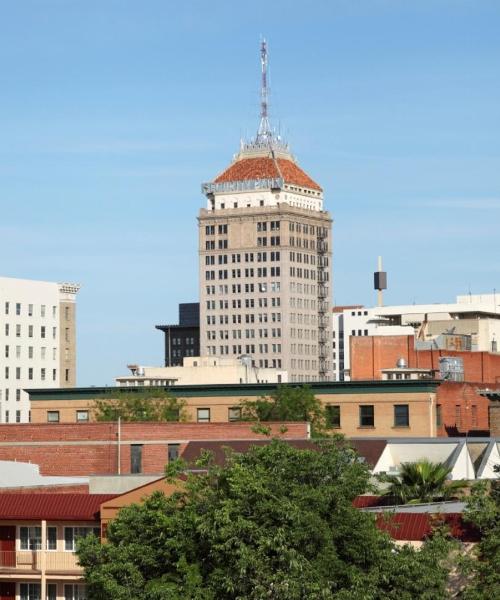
[{"x": 265, "y": 259}]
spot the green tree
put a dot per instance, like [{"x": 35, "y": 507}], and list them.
[
  {"x": 482, "y": 567},
  {"x": 422, "y": 481},
  {"x": 276, "y": 522},
  {"x": 287, "y": 403},
  {"x": 145, "y": 404}
]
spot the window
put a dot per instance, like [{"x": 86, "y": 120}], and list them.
[
  {"x": 30, "y": 538},
  {"x": 32, "y": 591},
  {"x": 332, "y": 416},
  {"x": 18, "y": 330},
  {"x": 458, "y": 416},
  {"x": 173, "y": 452},
  {"x": 6, "y": 308},
  {"x": 42, "y": 310},
  {"x": 234, "y": 414},
  {"x": 136, "y": 458},
  {"x": 6, "y": 416},
  {"x": 203, "y": 415},
  {"x": 18, "y": 372},
  {"x": 52, "y": 416},
  {"x": 30, "y": 330},
  {"x": 18, "y": 308},
  {"x": 401, "y": 415},
  {"x": 42, "y": 331},
  {"x": 82, "y": 416},
  {"x": 18, "y": 416},
  {"x": 75, "y": 591},
  {"x": 30, "y": 310},
  {"x": 439, "y": 417},
  {"x": 51, "y": 538},
  {"x": 71, "y": 535},
  {"x": 367, "y": 415}
]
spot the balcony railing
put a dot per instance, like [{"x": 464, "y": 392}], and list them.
[{"x": 32, "y": 560}]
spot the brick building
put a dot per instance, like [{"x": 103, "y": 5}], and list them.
[
  {"x": 355, "y": 408},
  {"x": 461, "y": 409},
  {"x": 38, "y": 534},
  {"x": 85, "y": 449}
]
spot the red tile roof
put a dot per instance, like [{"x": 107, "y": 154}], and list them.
[
  {"x": 266, "y": 167},
  {"x": 54, "y": 507},
  {"x": 418, "y": 526}
]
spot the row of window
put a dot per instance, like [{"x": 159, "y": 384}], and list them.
[
  {"x": 263, "y": 225},
  {"x": 18, "y": 310},
  {"x": 18, "y": 372},
  {"x": 31, "y": 351},
  {"x": 237, "y": 350},
  {"x": 43, "y": 331},
  {"x": 367, "y": 415},
  {"x": 247, "y": 288},
  {"x": 238, "y": 334},
  {"x": 221, "y": 229},
  {"x": 221, "y": 244},
  {"x": 247, "y": 303},
  {"x": 32, "y": 591},
  {"x": 7, "y": 394},
  {"x": 7, "y": 416},
  {"x": 273, "y": 240},
  {"x": 82, "y": 416},
  {"x": 250, "y": 272},
  {"x": 177, "y": 341},
  {"x": 30, "y": 538},
  {"x": 223, "y": 259}
]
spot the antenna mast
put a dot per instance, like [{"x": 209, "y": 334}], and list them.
[{"x": 264, "y": 132}]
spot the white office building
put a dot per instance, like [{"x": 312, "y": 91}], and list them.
[
  {"x": 37, "y": 341},
  {"x": 471, "y": 323}
]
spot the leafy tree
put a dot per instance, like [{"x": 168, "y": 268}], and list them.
[
  {"x": 276, "y": 522},
  {"x": 422, "y": 481},
  {"x": 287, "y": 403},
  {"x": 146, "y": 404},
  {"x": 483, "y": 566}
]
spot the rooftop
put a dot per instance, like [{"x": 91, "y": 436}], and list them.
[{"x": 53, "y": 507}]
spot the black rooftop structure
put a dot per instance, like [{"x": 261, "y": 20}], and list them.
[{"x": 182, "y": 340}]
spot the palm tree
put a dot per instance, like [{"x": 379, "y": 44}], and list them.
[{"x": 422, "y": 481}]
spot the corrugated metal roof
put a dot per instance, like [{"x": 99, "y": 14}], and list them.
[
  {"x": 53, "y": 507},
  {"x": 418, "y": 526}
]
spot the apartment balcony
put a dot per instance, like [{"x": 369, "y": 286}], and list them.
[
  {"x": 322, "y": 337},
  {"x": 323, "y": 369},
  {"x": 321, "y": 247},
  {"x": 322, "y": 276},
  {"x": 33, "y": 561}
]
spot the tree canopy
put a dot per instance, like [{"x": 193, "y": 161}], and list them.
[
  {"x": 422, "y": 481},
  {"x": 145, "y": 404},
  {"x": 483, "y": 566},
  {"x": 287, "y": 403},
  {"x": 276, "y": 522}
]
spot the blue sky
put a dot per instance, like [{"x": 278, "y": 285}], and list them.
[{"x": 113, "y": 112}]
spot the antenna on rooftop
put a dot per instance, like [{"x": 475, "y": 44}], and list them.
[{"x": 264, "y": 132}]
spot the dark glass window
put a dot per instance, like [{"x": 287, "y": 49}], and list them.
[
  {"x": 173, "y": 452},
  {"x": 367, "y": 415},
  {"x": 401, "y": 415}
]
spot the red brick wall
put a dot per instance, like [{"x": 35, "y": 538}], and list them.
[
  {"x": 91, "y": 448},
  {"x": 370, "y": 354},
  {"x": 463, "y": 410}
]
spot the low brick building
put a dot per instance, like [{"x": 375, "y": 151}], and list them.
[
  {"x": 361, "y": 408},
  {"x": 107, "y": 449},
  {"x": 460, "y": 408}
]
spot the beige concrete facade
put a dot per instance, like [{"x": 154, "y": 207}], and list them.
[
  {"x": 265, "y": 287},
  {"x": 199, "y": 370},
  {"x": 67, "y": 343},
  {"x": 416, "y": 400}
]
